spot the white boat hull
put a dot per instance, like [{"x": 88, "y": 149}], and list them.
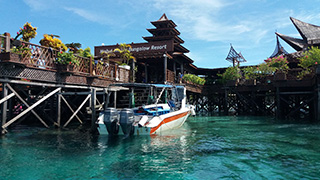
[{"x": 156, "y": 124}]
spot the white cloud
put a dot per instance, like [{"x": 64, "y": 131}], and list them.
[
  {"x": 89, "y": 15},
  {"x": 39, "y": 5}
]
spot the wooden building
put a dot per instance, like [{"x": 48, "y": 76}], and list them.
[{"x": 162, "y": 58}]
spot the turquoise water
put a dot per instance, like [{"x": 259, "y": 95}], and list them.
[{"x": 204, "y": 148}]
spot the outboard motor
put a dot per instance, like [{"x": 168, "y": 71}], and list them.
[
  {"x": 111, "y": 121},
  {"x": 126, "y": 121}
]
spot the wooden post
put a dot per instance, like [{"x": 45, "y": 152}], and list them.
[
  {"x": 278, "y": 99},
  {"x": 317, "y": 113},
  {"x": 225, "y": 103},
  {"x": 7, "y": 42},
  {"x": 93, "y": 109},
  {"x": 90, "y": 67},
  {"x": 165, "y": 68},
  {"x": 116, "y": 72},
  {"x": 59, "y": 109},
  {"x": 145, "y": 73},
  {"x": 175, "y": 72},
  {"x": 4, "y": 107},
  {"x": 133, "y": 72}
]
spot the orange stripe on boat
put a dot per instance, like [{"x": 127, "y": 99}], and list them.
[{"x": 169, "y": 119}]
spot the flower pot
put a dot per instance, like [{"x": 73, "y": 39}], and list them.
[
  {"x": 9, "y": 57},
  {"x": 125, "y": 67},
  {"x": 280, "y": 76},
  {"x": 231, "y": 83},
  {"x": 318, "y": 69},
  {"x": 250, "y": 82},
  {"x": 65, "y": 67}
]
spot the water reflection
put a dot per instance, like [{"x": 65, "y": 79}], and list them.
[{"x": 204, "y": 148}]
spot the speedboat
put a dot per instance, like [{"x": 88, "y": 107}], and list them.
[{"x": 144, "y": 109}]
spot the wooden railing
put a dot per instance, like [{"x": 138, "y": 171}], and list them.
[
  {"x": 2, "y": 43},
  {"x": 37, "y": 56}
]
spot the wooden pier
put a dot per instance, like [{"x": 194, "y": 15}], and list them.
[{"x": 32, "y": 83}]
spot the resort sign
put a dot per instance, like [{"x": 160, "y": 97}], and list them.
[{"x": 158, "y": 46}]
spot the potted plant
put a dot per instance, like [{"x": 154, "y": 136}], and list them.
[
  {"x": 280, "y": 65},
  {"x": 53, "y": 42},
  {"x": 309, "y": 62},
  {"x": 125, "y": 55},
  {"x": 193, "y": 79},
  {"x": 250, "y": 74},
  {"x": 66, "y": 61},
  {"x": 19, "y": 49},
  {"x": 231, "y": 76}
]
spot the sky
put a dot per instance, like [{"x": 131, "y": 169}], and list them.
[{"x": 208, "y": 27}]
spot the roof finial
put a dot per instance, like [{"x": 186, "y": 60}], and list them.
[{"x": 163, "y": 17}]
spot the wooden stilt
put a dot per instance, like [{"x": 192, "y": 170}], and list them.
[
  {"x": 318, "y": 104},
  {"x": 278, "y": 99},
  {"x": 225, "y": 103},
  {"x": 4, "y": 107},
  {"x": 115, "y": 99},
  {"x": 59, "y": 109},
  {"x": 93, "y": 109}
]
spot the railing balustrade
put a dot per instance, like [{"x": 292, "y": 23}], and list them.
[
  {"x": 37, "y": 56},
  {"x": 2, "y": 43}
]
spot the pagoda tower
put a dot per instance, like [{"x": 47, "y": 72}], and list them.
[{"x": 165, "y": 30}]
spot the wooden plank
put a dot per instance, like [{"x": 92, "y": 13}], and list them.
[
  {"x": 30, "y": 108},
  {"x": 77, "y": 110},
  {"x": 6, "y": 98}
]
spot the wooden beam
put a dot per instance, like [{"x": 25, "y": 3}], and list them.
[
  {"x": 46, "y": 84},
  {"x": 6, "y": 98},
  {"x": 77, "y": 111},
  {"x": 70, "y": 108},
  {"x": 30, "y": 108},
  {"x": 24, "y": 102}
]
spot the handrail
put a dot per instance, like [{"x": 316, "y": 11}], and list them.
[{"x": 38, "y": 56}]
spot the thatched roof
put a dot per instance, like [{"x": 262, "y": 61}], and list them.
[
  {"x": 295, "y": 43},
  {"x": 279, "y": 50},
  {"x": 309, "y": 32},
  {"x": 310, "y": 35}
]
